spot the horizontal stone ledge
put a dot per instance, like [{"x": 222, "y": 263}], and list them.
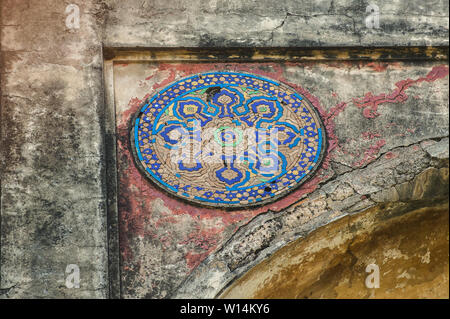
[{"x": 257, "y": 54}]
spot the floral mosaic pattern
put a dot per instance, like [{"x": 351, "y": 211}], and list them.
[{"x": 228, "y": 139}]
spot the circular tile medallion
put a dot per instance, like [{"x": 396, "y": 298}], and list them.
[{"x": 228, "y": 139}]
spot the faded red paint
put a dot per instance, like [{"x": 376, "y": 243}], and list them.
[
  {"x": 390, "y": 155},
  {"x": 378, "y": 66},
  {"x": 370, "y": 103},
  {"x": 195, "y": 259},
  {"x": 370, "y": 154},
  {"x": 370, "y": 135}
]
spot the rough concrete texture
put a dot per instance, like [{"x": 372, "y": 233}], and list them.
[
  {"x": 52, "y": 198},
  {"x": 52, "y": 181},
  {"x": 248, "y": 23}
]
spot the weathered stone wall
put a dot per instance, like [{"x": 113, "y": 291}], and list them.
[
  {"x": 289, "y": 23},
  {"x": 52, "y": 173},
  {"x": 52, "y": 198},
  {"x": 371, "y": 149},
  {"x": 402, "y": 239}
]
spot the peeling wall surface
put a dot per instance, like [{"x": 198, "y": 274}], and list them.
[
  {"x": 384, "y": 176},
  {"x": 334, "y": 266}
]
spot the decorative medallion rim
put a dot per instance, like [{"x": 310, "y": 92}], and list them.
[{"x": 228, "y": 206}]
